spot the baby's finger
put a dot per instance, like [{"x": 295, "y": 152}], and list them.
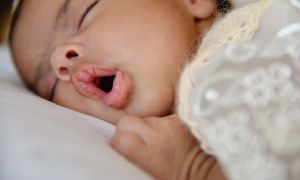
[
  {"x": 158, "y": 122},
  {"x": 134, "y": 125},
  {"x": 130, "y": 145},
  {"x": 152, "y": 121}
]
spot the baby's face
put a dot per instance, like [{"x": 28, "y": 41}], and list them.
[{"x": 106, "y": 58}]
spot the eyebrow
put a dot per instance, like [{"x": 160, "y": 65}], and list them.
[{"x": 62, "y": 11}]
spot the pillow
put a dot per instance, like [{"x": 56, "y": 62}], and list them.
[
  {"x": 7, "y": 69},
  {"x": 41, "y": 140}
]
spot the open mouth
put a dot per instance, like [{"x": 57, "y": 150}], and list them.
[
  {"x": 109, "y": 85},
  {"x": 105, "y": 83}
]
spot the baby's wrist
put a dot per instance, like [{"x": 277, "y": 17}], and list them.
[{"x": 200, "y": 166}]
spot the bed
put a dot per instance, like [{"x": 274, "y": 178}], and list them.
[{"x": 41, "y": 140}]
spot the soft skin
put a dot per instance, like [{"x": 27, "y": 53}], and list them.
[
  {"x": 149, "y": 41},
  {"x": 165, "y": 148}
]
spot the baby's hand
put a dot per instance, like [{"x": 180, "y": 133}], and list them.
[{"x": 163, "y": 147}]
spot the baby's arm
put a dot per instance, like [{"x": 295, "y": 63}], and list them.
[{"x": 165, "y": 148}]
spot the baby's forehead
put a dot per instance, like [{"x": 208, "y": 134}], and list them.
[{"x": 31, "y": 38}]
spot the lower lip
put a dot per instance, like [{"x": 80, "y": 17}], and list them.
[{"x": 118, "y": 97}]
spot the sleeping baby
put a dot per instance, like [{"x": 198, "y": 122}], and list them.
[
  {"x": 121, "y": 60},
  {"x": 117, "y": 60},
  {"x": 108, "y": 59}
]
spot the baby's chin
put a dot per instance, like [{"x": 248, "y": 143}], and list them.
[
  {"x": 112, "y": 115},
  {"x": 115, "y": 115},
  {"x": 145, "y": 108},
  {"x": 141, "y": 108}
]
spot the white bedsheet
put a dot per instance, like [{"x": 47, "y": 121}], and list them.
[{"x": 41, "y": 140}]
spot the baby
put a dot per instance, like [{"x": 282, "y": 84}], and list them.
[
  {"x": 120, "y": 61},
  {"x": 108, "y": 58}
]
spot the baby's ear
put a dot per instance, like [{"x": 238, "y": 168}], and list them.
[{"x": 201, "y": 9}]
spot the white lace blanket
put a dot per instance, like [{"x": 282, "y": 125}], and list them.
[{"x": 245, "y": 100}]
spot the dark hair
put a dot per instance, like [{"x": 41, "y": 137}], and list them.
[
  {"x": 14, "y": 20},
  {"x": 223, "y": 6}
]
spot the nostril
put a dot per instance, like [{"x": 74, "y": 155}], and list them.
[
  {"x": 63, "y": 71},
  {"x": 71, "y": 54}
]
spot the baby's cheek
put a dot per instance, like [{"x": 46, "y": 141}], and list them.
[{"x": 67, "y": 96}]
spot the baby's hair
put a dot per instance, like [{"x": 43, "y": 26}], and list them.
[
  {"x": 223, "y": 6},
  {"x": 15, "y": 17}
]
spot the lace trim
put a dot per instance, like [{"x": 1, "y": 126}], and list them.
[
  {"x": 248, "y": 18},
  {"x": 243, "y": 103}
]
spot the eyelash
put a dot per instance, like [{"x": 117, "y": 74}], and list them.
[{"x": 86, "y": 12}]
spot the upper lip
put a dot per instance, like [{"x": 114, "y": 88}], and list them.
[{"x": 87, "y": 81}]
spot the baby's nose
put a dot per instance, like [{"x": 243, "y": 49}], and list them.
[{"x": 63, "y": 60}]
